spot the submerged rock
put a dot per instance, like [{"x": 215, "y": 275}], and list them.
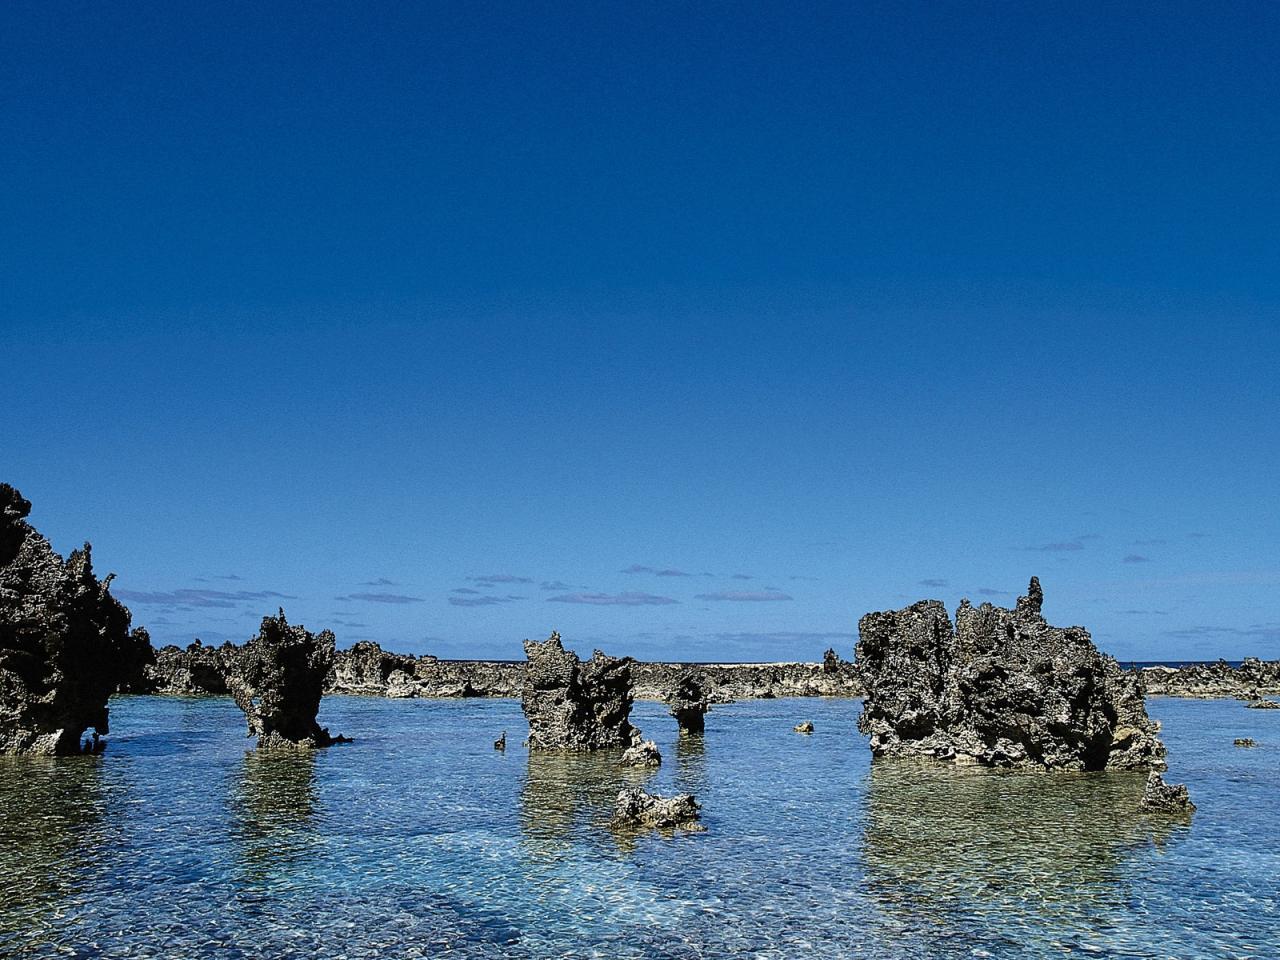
[
  {"x": 277, "y": 679},
  {"x": 571, "y": 705},
  {"x": 1245, "y": 742},
  {"x": 1263, "y": 705},
  {"x": 636, "y": 808},
  {"x": 643, "y": 754},
  {"x": 690, "y": 702},
  {"x": 1165, "y": 797},
  {"x": 804, "y": 727},
  {"x": 65, "y": 642},
  {"x": 1001, "y": 688}
]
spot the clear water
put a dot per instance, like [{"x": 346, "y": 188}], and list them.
[{"x": 419, "y": 840}]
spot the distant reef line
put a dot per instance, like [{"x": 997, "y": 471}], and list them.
[{"x": 365, "y": 669}]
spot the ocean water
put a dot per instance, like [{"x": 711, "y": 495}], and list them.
[{"x": 420, "y": 840}]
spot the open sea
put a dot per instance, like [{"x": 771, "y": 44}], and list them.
[{"x": 420, "y": 840}]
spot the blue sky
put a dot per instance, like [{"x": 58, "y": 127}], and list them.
[{"x": 691, "y": 333}]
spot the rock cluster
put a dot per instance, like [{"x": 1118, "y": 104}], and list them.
[
  {"x": 571, "y": 705},
  {"x": 805, "y": 726},
  {"x": 1165, "y": 797},
  {"x": 690, "y": 702},
  {"x": 1263, "y": 705},
  {"x": 1244, "y": 742},
  {"x": 1001, "y": 688},
  {"x": 65, "y": 642},
  {"x": 1249, "y": 681},
  {"x": 635, "y": 808},
  {"x": 194, "y": 671},
  {"x": 643, "y": 754},
  {"x": 277, "y": 679}
]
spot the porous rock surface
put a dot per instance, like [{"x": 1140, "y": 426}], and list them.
[
  {"x": 635, "y": 808},
  {"x": 195, "y": 670},
  {"x": 1165, "y": 797},
  {"x": 65, "y": 641},
  {"x": 1244, "y": 742},
  {"x": 277, "y": 679},
  {"x": 572, "y": 705},
  {"x": 1000, "y": 688},
  {"x": 1252, "y": 679},
  {"x": 643, "y": 754},
  {"x": 1263, "y": 704},
  {"x": 690, "y": 702}
]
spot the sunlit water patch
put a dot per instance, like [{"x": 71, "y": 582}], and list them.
[{"x": 420, "y": 840}]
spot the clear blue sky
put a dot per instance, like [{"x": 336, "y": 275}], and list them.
[{"x": 437, "y": 320}]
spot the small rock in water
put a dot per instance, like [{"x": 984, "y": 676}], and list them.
[
  {"x": 1263, "y": 705},
  {"x": 806, "y": 727},
  {"x": 636, "y": 808},
  {"x": 643, "y": 754},
  {"x": 1245, "y": 742},
  {"x": 1165, "y": 797},
  {"x": 501, "y": 742},
  {"x": 689, "y": 703}
]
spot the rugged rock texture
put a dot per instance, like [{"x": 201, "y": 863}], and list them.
[
  {"x": 636, "y": 808},
  {"x": 803, "y": 727},
  {"x": 1001, "y": 688},
  {"x": 643, "y": 754},
  {"x": 831, "y": 661},
  {"x": 571, "y": 705},
  {"x": 195, "y": 671},
  {"x": 1245, "y": 742},
  {"x": 1164, "y": 797},
  {"x": 1263, "y": 705},
  {"x": 277, "y": 679},
  {"x": 690, "y": 702},
  {"x": 368, "y": 669},
  {"x": 65, "y": 642},
  {"x": 1252, "y": 679}
]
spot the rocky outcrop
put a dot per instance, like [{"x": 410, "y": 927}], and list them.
[
  {"x": 831, "y": 662},
  {"x": 368, "y": 669},
  {"x": 194, "y": 671},
  {"x": 1252, "y": 679},
  {"x": 635, "y": 808},
  {"x": 65, "y": 642},
  {"x": 277, "y": 679},
  {"x": 690, "y": 702},
  {"x": 1244, "y": 742},
  {"x": 805, "y": 726},
  {"x": 1263, "y": 705},
  {"x": 643, "y": 754},
  {"x": 571, "y": 705},
  {"x": 1164, "y": 797},
  {"x": 1000, "y": 688}
]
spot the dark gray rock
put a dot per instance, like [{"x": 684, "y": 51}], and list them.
[
  {"x": 805, "y": 726},
  {"x": 194, "y": 671},
  {"x": 277, "y": 679},
  {"x": 690, "y": 702},
  {"x": 1001, "y": 688},
  {"x": 65, "y": 642},
  {"x": 643, "y": 754},
  {"x": 831, "y": 661},
  {"x": 1245, "y": 742},
  {"x": 1263, "y": 705},
  {"x": 635, "y": 808},
  {"x": 1251, "y": 680},
  {"x": 571, "y": 705},
  {"x": 1163, "y": 797}
]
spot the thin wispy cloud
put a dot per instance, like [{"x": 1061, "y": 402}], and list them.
[
  {"x": 933, "y": 582},
  {"x": 1269, "y": 632},
  {"x": 784, "y": 636},
  {"x": 481, "y": 601},
  {"x": 1145, "y": 613},
  {"x": 496, "y": 578},
  {"x": 745, "y": 596},
  {"x": 742, "y": 576},
  {"x": 198, "y": 597},
  {"x": 990, "y": 592},
  {"x": 628, "y": 599},
  {"x": 381, "y": 598},
  {"x": 380, "y": 582},
  {"x": 1154, "y": 542},
  {"x": 554, "y": 585},
  {"x": 655, "y": 571},
  {"x": 229, "y": 576},
  {"x": 1061, "y": 546},
  {"x": 1135, "y": 558},
  {"x": 464, "y": 590},
  {"x": 798, "y": 577}
]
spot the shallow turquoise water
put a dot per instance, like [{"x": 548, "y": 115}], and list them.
[{"x": 419, "y": 840}]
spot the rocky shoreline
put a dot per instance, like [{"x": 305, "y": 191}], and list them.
[{"x": 367, "y": 670}]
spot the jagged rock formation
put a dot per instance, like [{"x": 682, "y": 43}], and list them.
[
  {"x": 277, "y": 679},
  {"x": 1244, "y": 742},
  {"x": 635, "y": 808},
  {"x": 368, "y": 669},
  {"x": 689, "y": 703},
  {"x": 830, "y": 661},
  {"x": 1249, "y": 681},
  {"x": 643, "y": 754},
  {"x": 803, "y": 727},
  {"x": 571, "y": 705},
  {"x": 1165, "y": 797},
  {"x": 1001, "y": 688},
  {"x": 65, "y": 642},
  {"x": 194, "y": 671},
  {"x": 1263, "y": 705}
]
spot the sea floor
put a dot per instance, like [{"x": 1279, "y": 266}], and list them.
[{"x": 420, "y": 840}]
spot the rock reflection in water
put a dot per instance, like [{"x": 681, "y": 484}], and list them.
[
  {"x": 1018, "y": 850},
  {"x": 51, "y": 826},
  {"x": 691, "y": 763},
  {"x": 274, "y": 802},
  {"x": 565, "y": 792}
]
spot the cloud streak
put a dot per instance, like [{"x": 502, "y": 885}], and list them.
[
  {"x": 496, "y": 578},
  {"x": 933, "y": 582},
  {"x": 1062, "y": 546},
  {"x": 398, "y": 598},
  {"x": 628, "y": 599},
  {"x": 655, "y": 571},
  {"x": 1135, "y": 558},
  {"x": 198, "y": 598},
  {"x": 745, "y": 596},
  {"x": 480, "y": 601}
]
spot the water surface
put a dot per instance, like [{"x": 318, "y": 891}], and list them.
[{"x": 419, "y": 840}]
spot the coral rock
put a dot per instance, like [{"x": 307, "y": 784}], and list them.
[
  {"x": 805, "y": 727},
  {"x": 1164, "y": 797},
  {"x": 690, "y": 702},
  {"x": 636, "y": 808},
  {"x": 1001, "y": 688},
  {"x": 571, "y": 705},
  {"x": 643, "y": 754},
  {"x": 1245, "y": 742}
]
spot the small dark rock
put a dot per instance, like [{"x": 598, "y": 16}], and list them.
[
  {"x": 1263, "y": 705},
  {"x": 636, "y": 808},
  {"x": 1245, "y": 742},
  {"x": 805, "y": 727},
  {"x": 689, "y": 702},
  {"x": 1165, "y": 797}
]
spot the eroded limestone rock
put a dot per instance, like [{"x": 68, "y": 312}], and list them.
[
  {"x": 643, "y": 754},
  {"x": 572, "y": 705},
  {"x": 1165, "y": 797},
  {"x": 196, "y": 670},
  {"x": 65, "y": 642},
  {"x": 805, "y": 726},
  {"x": 1000, "y": 688},
  {"x": 277, "y": 679},
  {"x": 635, "y": 808},
  {"x": 1263, "y": 704},
  {"x": 690, "y": 702},
  {"x": 1244, "y": 742}
]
